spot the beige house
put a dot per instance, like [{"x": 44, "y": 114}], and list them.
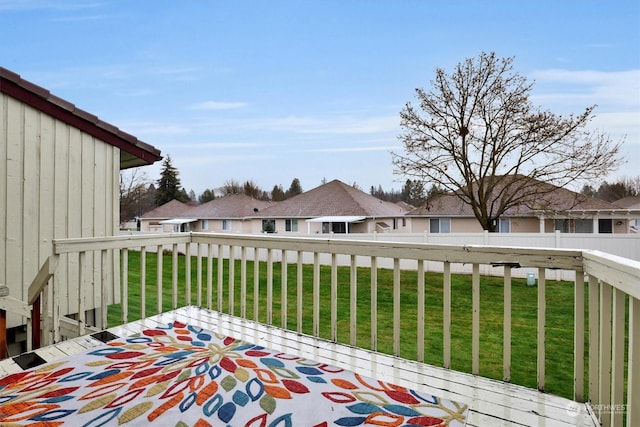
[
  {"x": 560, "y": 209},
  {"x": 166, "y": 218},
  {"x": 59, "y": 178},
  {"x": 228, "y": 214},
  {"x": 334, "y": 207},
  {"x": 632, "y": 205}
]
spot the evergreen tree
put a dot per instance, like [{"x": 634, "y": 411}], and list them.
[
  {"x": 294, "y": 188},
  {"x": 206, "y": 196},
  {"x": 169, "y": 186},
  {"x": 277, "y": 194}
]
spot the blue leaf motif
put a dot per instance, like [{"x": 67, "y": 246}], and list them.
[
  {"x": 363, "y": 408},
  {"x": 254, "y": 389},
  {"x": 212, "y": 405},
  {"x": 282, "y": 421},
  {"x": 308, "y": 370},
  {"x": 350, "y": 421},
  {"x": 271, "y": 362},
  {"x": 227, "y": 411},
  {"x": 53, "y": 415},
  {"x": 103, "y": 418}
]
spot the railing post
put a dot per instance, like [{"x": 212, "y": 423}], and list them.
[
  {"x": 542, "y": 322},
  {"x": 633, "y": 373}
]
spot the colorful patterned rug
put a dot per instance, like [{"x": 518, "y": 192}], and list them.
[{"x": 180, "y": 375}]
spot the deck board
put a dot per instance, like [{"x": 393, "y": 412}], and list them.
[{"x": 490, "y": 402}]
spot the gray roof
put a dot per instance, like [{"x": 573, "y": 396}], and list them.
[
  {"x": 171, "y": 209},
  {"x": 549, "y": 199},
  {"x": 334, "y": 198},
  {"x": 231, "y": 206},
  {"x": 632, "y": 202}
]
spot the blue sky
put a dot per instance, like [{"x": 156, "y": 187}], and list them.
[{"x": 275, "y": 90}]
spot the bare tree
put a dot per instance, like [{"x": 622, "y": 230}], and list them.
[
  {"x": 137, "y": 194},
  {"x": 232, "y": 187},
  {"x": 477, "y": 135}
]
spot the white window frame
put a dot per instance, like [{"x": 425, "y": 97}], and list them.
[
  {"x": 204, "y": 224},
  {"x": 291, "y": 225},
  {"x": 443, "y": 227}
]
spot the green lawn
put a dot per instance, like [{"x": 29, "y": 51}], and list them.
[{"x": 559, "y": 330}]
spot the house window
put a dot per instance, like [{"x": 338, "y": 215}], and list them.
[
  {"x": 404, "y": 222},
  {"x": 395, "y": 224},
  {"x": 504, "y": 225},
  {"x": 334, "y": 227},
  {"x": 605, "y": 226},
  {"x": 268, "y": 225},
  {"x": 226, "y": 224},
  {"x": 204, "y": 224},
  {"x": 291, "y": 225},
  {"x": 561, "y": 225},
  {"x": 584, "y": 225},
  {"x": 440, "y": 225}
]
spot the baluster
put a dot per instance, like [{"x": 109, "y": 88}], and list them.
[
  {"x": 124, "y": 298},
  {"x": 174, "y": 276},
  {"x": 334, "y": 297},
  {"x": 633, "y": 372},
  {"x": 542, "y": 319},
  {"x": 446, "y": 314},
  {"x": 374, "y": 303},
  {"x": 604, "y": 392},
  {"x": 270, "y": 286},
  {"x": 232, "y": 279},
  {"x": 475, "y": 320},
  {"x": 420, "y": 319},
  {"x": 187, "y": 273},
  {"x": 243, "y": 282},
  {"x": 578, "y": 338},
  {"x": 283, "y": 290},
  {"x": 299, "y": 292},
  {"x": 143, "y": 282},
  {"x": 617, "y": 368},
  {"x": 396, "y": 307},
  {"x": 353, "y": 304},
  {"x": 506, "y": 329}
]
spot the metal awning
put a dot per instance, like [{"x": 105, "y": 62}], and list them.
[
  {"x": 345, "y": 218},
  {"x": 178, "y": 221}
]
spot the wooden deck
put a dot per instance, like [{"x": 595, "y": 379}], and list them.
[{"x": 491, "y": 403}]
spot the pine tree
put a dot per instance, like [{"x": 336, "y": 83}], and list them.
[
  {"x": 169, "y": 186},
  {"x": 294, "y": 189}
]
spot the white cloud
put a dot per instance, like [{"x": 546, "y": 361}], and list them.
[
  {"x": 217, "y": 105},
  {"x": 609, "y": 90},
  {"x": 354, "y": 149}
]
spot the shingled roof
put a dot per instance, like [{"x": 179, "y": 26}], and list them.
[
  {"x": 231, "y": 206},
  {"x": 171, "y": 209},
  {"x": 334, "y": 198},
  {"x": 550, "y": 199},
  {"x": 133, "y": 151}
]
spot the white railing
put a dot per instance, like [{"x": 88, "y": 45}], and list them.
[{"x": 610, "y": 297}]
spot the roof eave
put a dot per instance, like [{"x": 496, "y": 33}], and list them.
[{"x": 133, "y": 151}]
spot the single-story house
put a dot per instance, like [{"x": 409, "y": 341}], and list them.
[
  {"x": 334, "y": 207},
  {"x": 167, "y": 218},
  {"x": 557, "y": 209},
  {"x": 229, "y": 213},
  {"x": 632, "y": 204}
]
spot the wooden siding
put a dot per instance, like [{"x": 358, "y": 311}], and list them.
[{"x": 55, "y": 182}]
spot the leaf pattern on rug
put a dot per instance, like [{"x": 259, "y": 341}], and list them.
[{"x": 184, "y": 375}]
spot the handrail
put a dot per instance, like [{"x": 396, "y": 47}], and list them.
[{"x": 610, "y": 281}]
